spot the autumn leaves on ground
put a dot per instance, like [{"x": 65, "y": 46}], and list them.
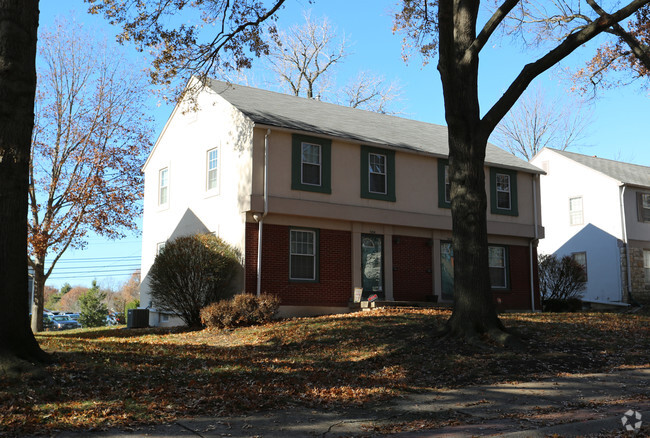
[{"x": 120, "y": 377}]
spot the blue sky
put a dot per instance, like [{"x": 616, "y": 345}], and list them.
[{"x": 617, "y": 131}]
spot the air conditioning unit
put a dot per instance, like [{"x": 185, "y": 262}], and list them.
[{"x": 137, "y": 318}]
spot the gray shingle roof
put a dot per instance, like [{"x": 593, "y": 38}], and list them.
[
  {"x": 626, "y": 173},
  {"x": 291, "y": 112}
]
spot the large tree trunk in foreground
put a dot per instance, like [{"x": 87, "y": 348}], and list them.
[
  {"x": 474, "y": 311},
  {"x": 18, "y": 33}
]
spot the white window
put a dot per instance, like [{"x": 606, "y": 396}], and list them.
[
  {"x": 498, "y": 267},
  {"x": 303, "y": 250},
  {"x": 163, "y": 186},
  {"x": 212, "y": 175},
  {"x": 646, "y": 265},
  {"x": 447, "y": 185},
  {"x": 377, "y": 173},
  {"x": 159, "y": 247},
  {"x": 310, "y": 164},
  {"x": 575, "y": 211},
  {"x": 503, "y": 191},
  {"x": 581, "y": 259}
]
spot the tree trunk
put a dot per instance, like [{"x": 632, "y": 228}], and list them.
[
  {"x": 39, "y": 295},
  {"x": 474, "y": 312},
  {"x": 18, "y": 33}
]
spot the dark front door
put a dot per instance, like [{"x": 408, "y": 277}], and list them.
[{"x": 372, "y": 265}]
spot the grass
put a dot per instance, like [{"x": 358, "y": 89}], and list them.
[{"x": 118, "y": 377}]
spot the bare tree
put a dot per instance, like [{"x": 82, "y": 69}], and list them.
[
  {"x": 370, "y": 92},
  {"x": 303, "y": 57},
  {"x": 89, "y": 142},
  {"x": 535, "y": 123}
]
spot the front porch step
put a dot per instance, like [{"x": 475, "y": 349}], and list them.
[{"x": 365, "y": 305}]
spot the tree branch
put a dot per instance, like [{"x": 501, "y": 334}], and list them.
[{"x": 534, "y": 69}]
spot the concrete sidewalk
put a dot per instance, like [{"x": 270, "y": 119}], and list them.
[{"x": 575, "y": 405}]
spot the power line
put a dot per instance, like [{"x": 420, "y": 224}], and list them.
[
  {"x": 98, "y": 259},
  {"x": 81, "y": 268}
]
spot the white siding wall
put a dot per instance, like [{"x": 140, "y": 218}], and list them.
[
  {"x": 601, "y": 230},
  {"x": 182, "y": 147}
]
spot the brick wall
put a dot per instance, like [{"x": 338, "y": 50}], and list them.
[
  {"x": 412, "y": 268},
  {"x": 335, "y": 267},
  {"x": 518, "y": 295}
]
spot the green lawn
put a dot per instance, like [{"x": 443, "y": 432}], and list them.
[{"x": 120, "y": 377}]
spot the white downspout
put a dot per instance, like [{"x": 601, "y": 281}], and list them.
[
  {"x": 627, "y": 250},
  {"x": 530, "y": 245},
  {"x": 260, "y": 220}
]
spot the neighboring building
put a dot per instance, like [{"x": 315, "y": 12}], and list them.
[
  {"x": 350, "y": 199},
  {"x": 598, "y": 212}
]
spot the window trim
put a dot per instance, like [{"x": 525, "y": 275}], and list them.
[
  {"x": 161, "y": 187},
  {"x": 495, "y": 209},
  {"x": 325, "y": 144},
  {"x": 216, "y": 169},
  {"x": 581, "y": 211},
  {"x": 642, "y": 212},
  {"x": 443, "y": 166},
  {"x": 506, "y": 267},
  {"x": 316, "y": 233},
  {"x": 365, "y": 174}
]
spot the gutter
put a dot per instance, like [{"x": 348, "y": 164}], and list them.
[
  {"x": 533, "y": 241},
  {"x": 260, "y": 219},
  {"x": 627, "y": 251}
]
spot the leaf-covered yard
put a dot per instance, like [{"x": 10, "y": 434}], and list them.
[{"x": 123, "y": 377}]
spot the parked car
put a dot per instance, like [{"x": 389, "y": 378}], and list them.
[{"x": 63, "y": 322}]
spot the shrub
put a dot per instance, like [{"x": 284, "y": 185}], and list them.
[
  {"x": 190, "y": 273},
  {"x": 560, "y": 282},
  {"x": 242, "y": 310},
  {"x": 562, "y": 305},
  {"x": 93, "y": 311}
]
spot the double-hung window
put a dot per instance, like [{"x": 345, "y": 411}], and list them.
[
  {"x": 163, "y": 187},
  {"x": 311, "y": 164},
  {"x": 576, "y": 216},
  {"x": 212, "y": 173},
  {"x": 497, "y": 261},
  {"x": 503, "y": 192},
  {"x": 581, "y": 259},
  {"x": 159, "y": 247},
  {"x": 643, "y": 201},
  {"x": 303, "y": 255},
  {"x": 377, "y": 173}
]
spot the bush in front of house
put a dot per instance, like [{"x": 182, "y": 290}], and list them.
[
  {"x": 242, "y": 310},
  {"x": 560, "y": 281},
  {"x": 191, "y": 272}
]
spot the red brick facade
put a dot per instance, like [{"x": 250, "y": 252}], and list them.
[
  {"x": 412, "y": 268},
  {"x": 334, "y": 287},
  {"x": 517, "y": 297}
]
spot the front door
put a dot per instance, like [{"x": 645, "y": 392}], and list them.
[{"x": 372, "y": 265}]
